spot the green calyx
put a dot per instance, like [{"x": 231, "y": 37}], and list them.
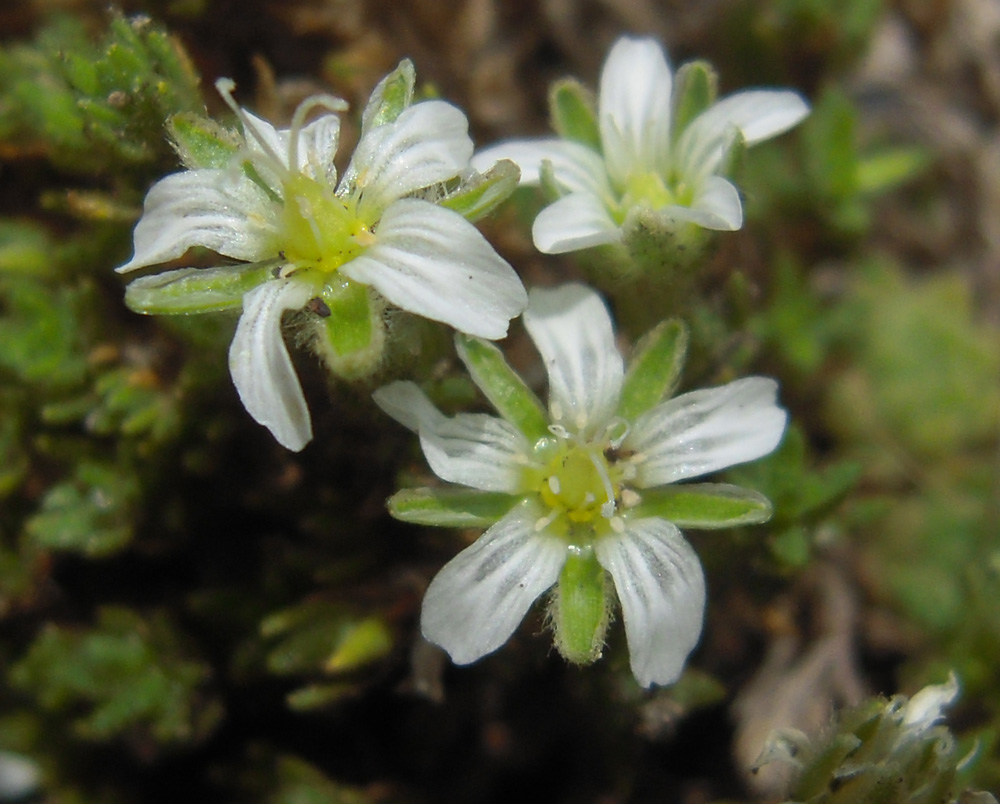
[
  {"x": 349, "y": 331},
  {"x": 580, "y": 607}
]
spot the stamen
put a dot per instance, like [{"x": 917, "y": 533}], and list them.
[
  {"x": 560, "y": 432},
  {"x": 617, "y": 524},
  {"x": 554, "y": 485},
  {"x": 545, "y": 521},
  {"x": 225, "y": 87},
  {"x": 556, "y": 410},
  {"x": 613, "y": 440},
  {"x": 608, "y": 507}
]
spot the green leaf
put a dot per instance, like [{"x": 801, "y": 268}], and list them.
[
  {"x": 41, "y": 330},
  {"x": 484, "y": 192},
  {"x": 390, "y": 98},
  {"x": 319, "y": 635},
  {"x": 201, "y": 142},
  {"x": 125, "y": 676},
  {"x": 450, "y": 508},
  {"x": 91, "y": 513},
  {"x": 886, "y": 169},
  {"x": 25, "y": 249},
  {"x": 696, "y": 85},
  {"x": 362, "y": 642},
  {"x": 187, "y": 291},
  {"x": 503, "y": 387},
  {"x": 705, "y": 505},
  {"x": 573, "y": 113},
  {"x": 654, "y": 368}
]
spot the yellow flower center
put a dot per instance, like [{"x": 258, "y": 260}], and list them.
[
  {"x": 319, "y": 230},
  {"x": 577, "y": 481},
  {"x": 653, "y": 191}
]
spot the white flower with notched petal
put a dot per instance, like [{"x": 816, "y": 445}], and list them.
[
  {"x": 583, "y": 491},
  {"x": 273, "y": 201},
  {"x": 649, "y": 150}
]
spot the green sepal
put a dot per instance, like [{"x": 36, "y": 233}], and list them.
[
  {"x": 450, "y": 508},
  {"x": 573, "y": 113},
  {"x": 696, "y": 86},
  {"x": 551, "y": 188},
  {"x": 187, "y": 291},
  {"x": 484, "y": 192},
  {"x": 734, "y": 152},
  {"x": 704, "y": 505},
  {"x": 579, "y": 609},
  {"x": 390, "y": 98},
  {"x": 503, "y": 387},
  {"x": 201, "y": 142},
  {"x": 350, "y": 329},
  {"x": 654, "y": 368}
]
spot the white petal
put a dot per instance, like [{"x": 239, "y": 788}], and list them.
[
  {"x": 261, "y": 368},
  {"x": 576, "y": 167},
  {"x": 471, "y": 449},
  {"x": 704, "y": 431},
  {"x": 634, "y": 107},
  {"x": 759, "y": 114},
  {"x": 431, "y": 261},
  {"x": 210, "y": 208},
  {"x": 264, "y": 141},
  {"x": 571, "y": 327},
  {"x": 661, "y": 589},
  {"x": 408, "y": 405},
  {"x": 474, "y": 604},
  {"x": 476, "y": 450},
  {"x": 428, "y": 143},
  {"x": 575, "y": 221},
  {"x": 927, "y": 706},
  {"x": 317, "y": 149},
  {"x": 716, "y": 206}
]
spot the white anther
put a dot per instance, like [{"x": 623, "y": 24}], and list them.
[{"x": 554, "y": 485}]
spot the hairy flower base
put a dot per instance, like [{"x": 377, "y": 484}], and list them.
[{"x": 575, "y": 495}]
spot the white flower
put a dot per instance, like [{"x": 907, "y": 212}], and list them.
[
  {"x": 643, "y": 161},
  {"x": 279, "y": 201},
  {"x": 576, "y": 486}
]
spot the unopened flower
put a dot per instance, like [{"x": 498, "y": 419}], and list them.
[
  {"x": 273, "y": 201},
  {"x": 583, "y": 491},
  {"x": 650, "y": 149}
]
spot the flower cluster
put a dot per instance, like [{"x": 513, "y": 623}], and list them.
[
  {"x": 583, "y": 489},
  {"x": 578, "y": 496},
  {"x": 651, "y": 148}
]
